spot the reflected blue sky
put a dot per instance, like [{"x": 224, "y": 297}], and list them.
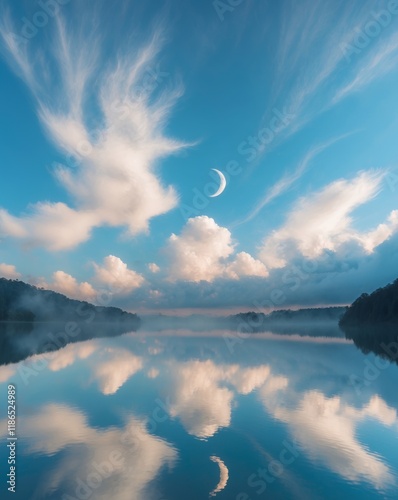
[{"x": 160, "y": 416}]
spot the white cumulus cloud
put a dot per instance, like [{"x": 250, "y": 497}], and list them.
[
  {"x": 115, "y": 274},
  {"x": 9, "y": 271},
  {"x": 68, "y": 285},
  {"x": 154, "y": 268},
  {"x": 204, "y": 251},
  {"x": 245, "y": 265}
]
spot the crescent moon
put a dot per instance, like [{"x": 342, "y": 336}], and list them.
[
  {"x": 224, "y": 476},
  {"x": 223, "y": 183}
]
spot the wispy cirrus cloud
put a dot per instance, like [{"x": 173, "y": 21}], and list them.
[
  {"x": 108, "y": 115},
  {"x": 381, "y": 60},
  {"x": 323, "y": 221},
  {"x": 314, "y": 72},
  {"x": 289, "y": 179}
]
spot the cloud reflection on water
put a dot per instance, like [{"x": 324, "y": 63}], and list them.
[{"x": 200, "y": 385}]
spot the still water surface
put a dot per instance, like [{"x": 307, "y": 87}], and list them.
[{"x": 183, "y": 415}]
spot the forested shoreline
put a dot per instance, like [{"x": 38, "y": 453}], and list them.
[{"x": 22, "y": 302}]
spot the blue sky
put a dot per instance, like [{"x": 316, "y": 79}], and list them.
[{"x": 112, "y": 122}]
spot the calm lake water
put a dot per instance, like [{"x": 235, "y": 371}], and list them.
[{"x": 183, "y": 415}]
